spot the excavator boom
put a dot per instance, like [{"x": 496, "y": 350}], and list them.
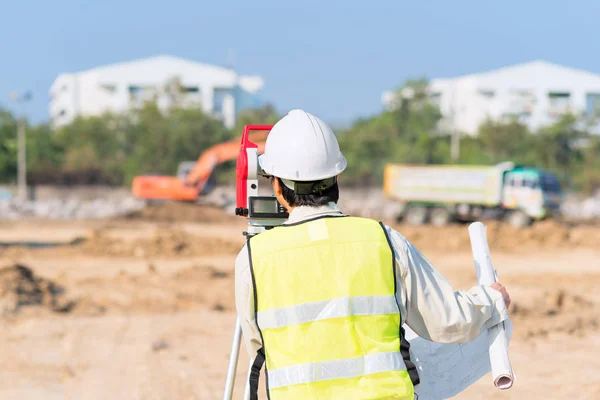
[
  {"x": 218, "y": 154},
  {"x": 194, "y": 184}
]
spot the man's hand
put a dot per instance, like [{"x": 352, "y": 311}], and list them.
[{"x": 502, "y": 289}]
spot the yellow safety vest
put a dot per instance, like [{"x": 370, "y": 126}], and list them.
[{"x": 324, "y": 298}]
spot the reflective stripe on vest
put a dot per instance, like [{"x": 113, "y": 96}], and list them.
[
  {"x": 324, "y": 297},
  {"x": 335, "y": 308},
  {"x": 336, "y": 369}
]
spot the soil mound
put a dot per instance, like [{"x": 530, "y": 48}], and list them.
[
  {"x": 154, "y": 292},
  {"x": 24, "y": 294},
  {"x": 556, "y": 311},
  {"x": 542, "y": 235},
  {"x": 172, "y": 211},
  {"x": 163, "y": 243},
  {"x": 21, "y": 288}
]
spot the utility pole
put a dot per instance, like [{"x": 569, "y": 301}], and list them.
[
  {"x": 455, "y": 133},
  {"x": 21, "y": 164},
  {"x": 236, "y": 89},
  {"x": 21, "y": 144},
  {"x": 455, "y": 144}
]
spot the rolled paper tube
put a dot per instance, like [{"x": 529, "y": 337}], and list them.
[{"x": 486, "y": 275}]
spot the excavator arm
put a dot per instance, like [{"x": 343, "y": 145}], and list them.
[
  {"x": 193, "y": 185},
  {"x": 219, "y": 154}
]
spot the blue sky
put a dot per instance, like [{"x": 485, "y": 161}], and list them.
[{"x": 333, "y": 58}]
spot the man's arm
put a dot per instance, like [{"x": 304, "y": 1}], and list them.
[
  {"x": 244, "y": 303},
  {"x": 432, "y": 308}
]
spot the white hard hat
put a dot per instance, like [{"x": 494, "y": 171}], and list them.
[{"x": 301, "y": 148}]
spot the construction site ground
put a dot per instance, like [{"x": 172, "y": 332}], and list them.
[{"x": 143, "y": 307}]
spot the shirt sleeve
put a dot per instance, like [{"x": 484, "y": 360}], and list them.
[
  {"x": 244, "y": 303},
  {"x": 432, "y": 308}
]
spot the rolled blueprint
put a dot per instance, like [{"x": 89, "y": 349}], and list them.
[{"x": 486, "y": 275}]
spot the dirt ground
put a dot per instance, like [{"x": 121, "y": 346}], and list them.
[{"x": 143, "y": 307}]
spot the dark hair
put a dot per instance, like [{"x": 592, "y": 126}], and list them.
[{"x": 331, "y": 194}]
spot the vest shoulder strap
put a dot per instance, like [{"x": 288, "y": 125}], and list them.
[{"x": 255, "y": 373}]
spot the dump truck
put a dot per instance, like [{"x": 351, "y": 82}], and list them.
[{"x": 440, "y": 194}]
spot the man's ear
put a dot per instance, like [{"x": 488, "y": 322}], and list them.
[
  {"x": 276, "y": 187},
  {"x": 279, "y": 194}
]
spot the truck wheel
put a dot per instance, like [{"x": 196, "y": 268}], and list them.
[
  {"x": 416, "y": 215},
  {"x": 440, "y": 216},
  {"x": 518, "y": 219}
]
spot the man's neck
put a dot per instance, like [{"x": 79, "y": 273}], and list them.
[{"x": 303, "y": 213}]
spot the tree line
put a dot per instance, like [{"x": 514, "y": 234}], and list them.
[{"x": 113, "y": 148}]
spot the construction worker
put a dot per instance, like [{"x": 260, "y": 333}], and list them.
[{"x": 322, "y": 298}]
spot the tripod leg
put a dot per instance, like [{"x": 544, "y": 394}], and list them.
[{"x": 233, "y": 361}]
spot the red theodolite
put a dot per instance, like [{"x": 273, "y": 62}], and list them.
[{"x": 263, "y": 212}]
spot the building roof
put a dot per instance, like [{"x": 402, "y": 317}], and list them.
[
  {"x": 158, "y": 69},
  {"x": 531, "y": 74}
]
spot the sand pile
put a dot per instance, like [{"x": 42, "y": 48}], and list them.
[
  {"x": 21, "y": 288},
  {"x": 545, "y": 235},
  {"x": 553, "y": 312},
  {"x": 165, "y": 242},
  {"x": 155, "y": 292},
  {"x": 172, "y": 211},
  {"x": 24, "y": 294}
]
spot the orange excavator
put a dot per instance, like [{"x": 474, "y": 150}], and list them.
[{"x": 194, "y": 178}]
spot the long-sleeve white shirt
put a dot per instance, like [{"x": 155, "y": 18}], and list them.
[{"x": 428, "y": 303}]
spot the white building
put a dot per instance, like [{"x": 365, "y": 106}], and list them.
[
  {"x": 537, "y": 93},
  {"x": 219, "y": 91}
]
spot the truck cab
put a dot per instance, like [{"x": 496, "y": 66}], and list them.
[{"x": 531, "y": 193}]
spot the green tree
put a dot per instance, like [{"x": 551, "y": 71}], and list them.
[
  {"x": 45, "y": 154},
  {"x": 265, "y": 115},
  {"x": 367, "y": 146},
  {"x": 416, "y": 120},
  {"x": 556, "y": 148},
  {"x": 406, "y": 133},
  {"x": 505, "y": 141},
  {"x": 588, "y": 178},
  {"x": 8, "y": 146},
  {"x": 91, "y": 148},
  {"x": 472, "y": 152},
  {"x": 157, "y": 141}
]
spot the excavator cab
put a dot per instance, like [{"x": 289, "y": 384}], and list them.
[{"x": 184, "y": 168}]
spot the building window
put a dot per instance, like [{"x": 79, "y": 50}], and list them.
[
  {"x": 218, "y": 98},
  {"x": 109, "y": 88},
  {"x": 488, "y": 94},
  {"x": 62, "y": 113},
  {"x": 134, "y": 89},
  {"x": 559, "y": 103},
  {"x": 521, "y": 102},
  {"x": 530, "y": 183},
  {"x": 191, "y": 89},
  {"x": 436, "y": 98},
  {"x": 141, "y": 94},
  {"x": 592, "y": 104}
]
